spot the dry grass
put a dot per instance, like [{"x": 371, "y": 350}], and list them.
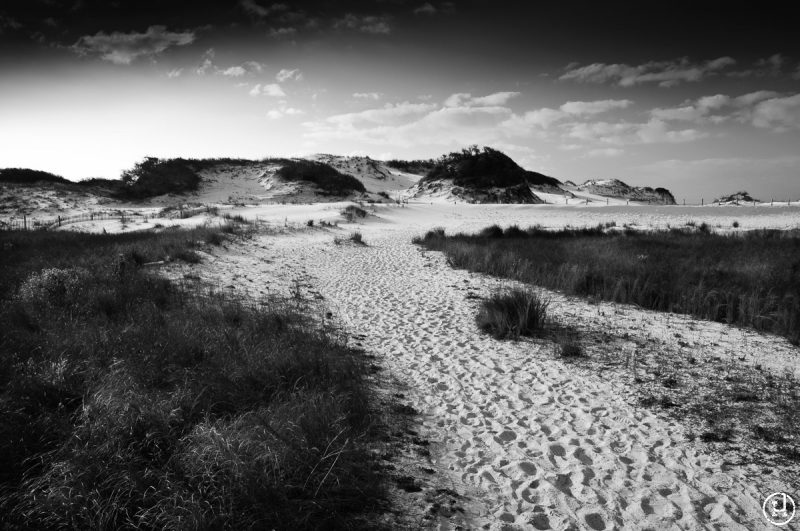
[
  {"x": 130, "y": 402},
  {"x": 513, "y": 313}
]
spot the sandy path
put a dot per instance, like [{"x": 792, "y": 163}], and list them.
[{"x": 551, "y": 448}]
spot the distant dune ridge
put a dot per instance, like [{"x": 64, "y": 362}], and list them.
[
  {"x": 619, "y": 190},
  {"x": 472, "y": 175},
  {"x": 736, "y": 198}
]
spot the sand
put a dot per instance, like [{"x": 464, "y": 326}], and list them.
[{"x": 527, "y": 440}]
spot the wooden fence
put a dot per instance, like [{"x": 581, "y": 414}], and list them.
[{"x": 27, "y": 223}]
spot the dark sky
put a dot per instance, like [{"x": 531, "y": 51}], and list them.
[{"x": 700, "y": 96}]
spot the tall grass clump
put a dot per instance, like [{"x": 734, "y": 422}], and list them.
[
  {"x": 131, "y": 402},
  {"x": 749, "y": 279},
  {"x": 353, "y": 212},
  {"x": 513, "y": 313}
]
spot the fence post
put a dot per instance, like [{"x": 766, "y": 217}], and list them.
[
  {"x": 702, "y": 201},
  {"x": 24, "y": 222},
  {"x": 59, "y": 221}
]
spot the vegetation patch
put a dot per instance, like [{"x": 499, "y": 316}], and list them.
[
  {"x": 482, "y": 169},
  {"x": 353, "y": 212},
  {"x": 129, "y": 401},
  {"x": 749, "y": 279},
  {"x": 513, "y": 313},
  {"x": 28, "y": 176},
  {"x": 154, "y": 176},
  {"x": 329, "y": 180},
  {"x": 417, "y": 167}
]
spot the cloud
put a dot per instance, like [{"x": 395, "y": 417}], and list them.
[
  {"x": 367, "y": 95},
  {"x": 571, "y": 110},
  {"x": 604, "y": 152},
  {"x": 426, "y": 9},
  {"x": 254, "y": 8},
  {"x": 367, "y": 24},
  {"x": 654, "y": 131},
  {"x": 175, "y": 72},
  {"x": 778, "y": 114},
  {"x": 466, "y": 99},
  {"x": 207, "y": 64},
  {"x": 275, "y": 114},
  {"x": 594, "y": 107},
  {"x": 272, "y": 89},
  {"x": 664, "y": 73},
  {"x": 771, "y": 66},
  {"x": 234, "y": 71},
  {"x": 763, "y": 108},
  {"x": 282, "y": 32},
  {"x": 285, "y": 75},
  {"x": 7, "y": 22},
  {"x": 123, "y": 48}
]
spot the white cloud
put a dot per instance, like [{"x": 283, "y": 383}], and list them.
[
  {"x": 123, "y": 48},
  {"x": 271, "y": 89},
  {"x": 175, "y": 72},
  {"x": 9, "y": 23},
  {"x": 769, "y": 67},
  {"x": 275, "y": 114},
  {"x": 754, "y": 97},
  {"x": 664, "y": 73},
  {"x": 234, "y": 71},
  {"x": 286, "y": 74},
  {"x": 425, "y": 9},
  {"x": 594, "y": 107},
  {"x": 282, "y": 32},
  {"x": 571, "y": 110},
  {"x": 366, "y": 24},
  {"x": 367, "y": 95},
  {"x": 406, "y": 124},
  {"x": 254, "y": 8},
  {"x": 778, "y": 114},
  {"x": 604, "y": 152},
  {"x": 764, "y": 109},
  {"x": 207, "y": 64},
  {"x": 654, "y": 131},
  {"x": 465, "y": 99}
]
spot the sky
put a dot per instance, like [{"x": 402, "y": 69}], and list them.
[{"x": 699, "y": 97}]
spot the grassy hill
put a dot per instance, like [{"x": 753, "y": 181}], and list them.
[{"x": 485, "y": 168}]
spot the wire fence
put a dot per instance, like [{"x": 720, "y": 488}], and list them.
[{"x": 35, "y": 223}]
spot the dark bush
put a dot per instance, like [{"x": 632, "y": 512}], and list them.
[
  {"x": 329, "y": 180},
  {"x": 482, "y": 169},
  {"x": 153, "y": 177},
  {"x": 28, "y": 176},
  {"x": 493, "y": 231}
]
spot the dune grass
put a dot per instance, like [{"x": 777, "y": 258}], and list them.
[
  {"x": 131, "y": 402},
  {"x": 748, "y": 279},
  {"x": 513, "y": 313}
]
